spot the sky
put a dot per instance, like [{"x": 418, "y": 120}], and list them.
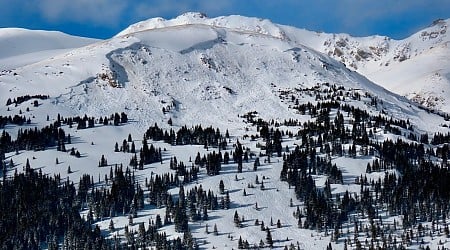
[{"x": 105, "y": 18}]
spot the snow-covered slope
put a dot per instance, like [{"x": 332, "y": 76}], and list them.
[
  {"x": 233, "y": 22},
  {"x": 229, "y": 70},
  {"x": 416, "y": 67},
  {"x": 193, "y": 70},
  {"x": 19, "y": 47}
]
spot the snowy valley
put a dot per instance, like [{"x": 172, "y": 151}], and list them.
[{"x": 225, "y": 133}]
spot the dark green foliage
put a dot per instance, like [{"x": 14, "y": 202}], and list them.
[
  {"x": 184, "y": 136},
  {"x": 221, "y": 187},
  {"x": 237, "y": 156},
  {"x": 149, "y": 154},
  {"x": 33, "y": 139},
  {"x": 20, "y": 99},
  {"x": 33, "y": 205},
  {"x": 419, "y": 186},
  {"x": 15, "y": 120},
  {"x": 103, "y": 162},
  {"x": 269, "y": 240}
]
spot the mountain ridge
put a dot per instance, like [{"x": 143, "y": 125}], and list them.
[
  {"x": 196, "y": 136},
  {"x": 379, "y": 58},
  {"x": 213, "y": 64},
  {"x": 111, "y": 62},
  {"x": 20, "y": 47},
  {"x": 235, "y": 22}
]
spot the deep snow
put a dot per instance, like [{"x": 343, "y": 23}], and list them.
[{"x": 202, "y": 71}]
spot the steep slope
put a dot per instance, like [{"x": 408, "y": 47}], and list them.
[
  {"x": 228, "y": 71},
  {"x": 19, "y": 47},
  {"x": 416, "y": 67}
]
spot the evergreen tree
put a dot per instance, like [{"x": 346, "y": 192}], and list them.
[
  {"x": 240, "y": 243},
  {"x": 256, "y": 164},
  {"x": 221, "y": 187},
  {"x": 111, "y": 226},
  {"x": 269, "y": 240}
]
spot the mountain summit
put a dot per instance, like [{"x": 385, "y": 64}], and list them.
[
  {"x": 200, "y": 69},
  {"x": 222, "y": 133},
  {"x": 233, "y": 22},
  {"x": 416, "y": 67}
]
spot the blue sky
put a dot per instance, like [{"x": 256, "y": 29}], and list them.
[{"x": 105, "y": 18}]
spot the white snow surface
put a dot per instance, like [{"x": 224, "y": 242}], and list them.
[
  {"x": 417, "y": 67},
  {"x": 19, "y": 47},
  {"x": 229, "y": 71},
  {"x": 233, "y": 22},
  {"x": 205, "y": 71}
]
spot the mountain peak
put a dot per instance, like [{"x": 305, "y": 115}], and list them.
[
  {"x": 234, "y": 22},
  {"x": 193, "y": 15}
]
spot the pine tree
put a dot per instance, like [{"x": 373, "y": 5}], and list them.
[
  {"x": 111, "y": 226},
  {"x": 269, "y": 240},
  {"x": 158, "y": 222},
  {"x": 103, "y": 162},
  {"x": 221, "y": 187},
  {"x": 256, "y": 164},
  {"x": 329, "y": 247},
  {"x": 261, "y": 244},
  {"x": 240, "y": 243},
  {"x": 205, "y": 213},
  {"x": 236, "y": 219},
  {"x": 130, "y": 219},
  {"x": 27, "y": 165},
  {"x": 227, "y": 200}
]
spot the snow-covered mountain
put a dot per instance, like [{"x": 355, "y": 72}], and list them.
[
  {"x": 416, "y": 67},
  {"x": 226, "y": 72},
  {"x": 232, "y": 64},
  {"x": 19, "y": 47}
]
